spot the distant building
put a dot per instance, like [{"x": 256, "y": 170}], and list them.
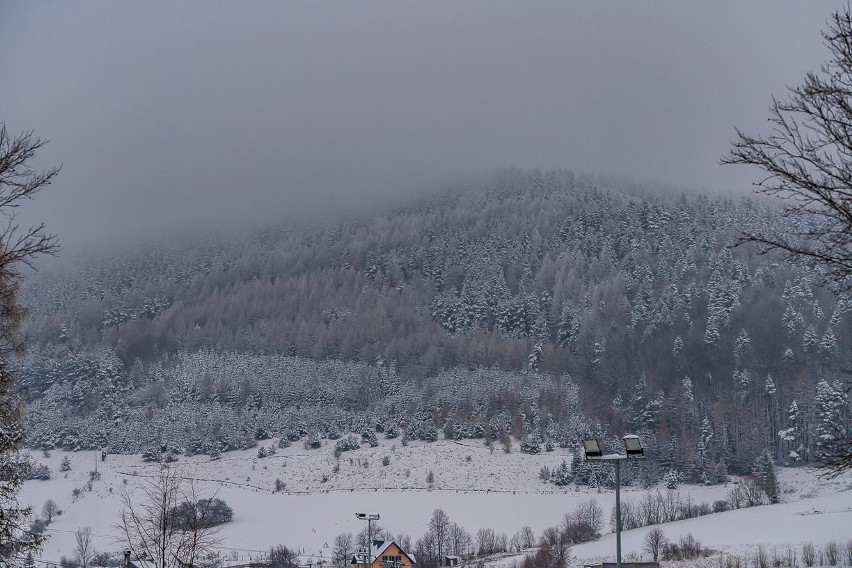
[
  {"x": 451, "y": 560},
  {"x": 386, "y": 554}
]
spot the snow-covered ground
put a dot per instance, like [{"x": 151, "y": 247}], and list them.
[{"x": 476, "y": 486}]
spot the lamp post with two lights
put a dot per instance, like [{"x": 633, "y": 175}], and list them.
[{"x": 633, "y": 450}]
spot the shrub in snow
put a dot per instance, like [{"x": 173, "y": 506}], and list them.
[
  {"x": 369, "y": 436},
  {"x": 808, "y": 554},
  {"x": 530, "y": 447},
  {"x": 38, "y": 526},
  {"x": 391, "y": 431},
  {"x": 261, "y": 453},
  {"x": 65, "y": 465},
  {"x": 202, "y": 514},
  {"x": 284, "y": 443},
  {"x": 40, "y": 472},
  {"x": 673, "y": 478},
  {"x": 151, "y": 456},
  {"x": 346, "y": 444}
]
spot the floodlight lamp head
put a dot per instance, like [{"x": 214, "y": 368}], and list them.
[
  {"x": 367, "y": 516},
  {"x": 633, "y": 446},
  {"x": 592, "y": 448}
]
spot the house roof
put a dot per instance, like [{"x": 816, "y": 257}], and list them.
[{"x": 377, "y": 551}]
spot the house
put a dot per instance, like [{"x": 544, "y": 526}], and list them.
[
  {"x": 451, "y": 561},
  {"x": 386, "y": 554}
]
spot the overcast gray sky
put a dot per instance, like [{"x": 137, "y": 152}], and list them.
[{"x": 175, "y": 114}]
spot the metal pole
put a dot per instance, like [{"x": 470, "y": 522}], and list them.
[
  {"x": 618, "y": 513},
  {"x": 369, "y": 542}
]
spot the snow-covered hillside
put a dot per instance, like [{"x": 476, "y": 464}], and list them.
[{"x": 476, "y": 486}]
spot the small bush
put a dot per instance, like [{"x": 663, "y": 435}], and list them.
[
  {"x": 40, "y": 472},
  {"x": 369, "y": 437},
  {"x": 386, "y": 461},
  {"x": 832, "y": 553},
  {"x": 65, "y": 465},
  {"x": 38, "y": 526},
  {"x": 151, "y": 456},
  {"x": 280, "y": 485},
  {"x": 720, "y": 506},
  {"x": 203, "y": 514},
  {"x": 808, "y": 554},
  {"x": 346, "y": 444},
  {"x": 687, "y": 549}
]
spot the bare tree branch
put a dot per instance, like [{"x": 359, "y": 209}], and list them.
[{"x": 807, "y": 160}]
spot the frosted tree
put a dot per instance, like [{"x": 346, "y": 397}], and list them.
[
  {"x": 764, "y": 471},
  {"x": 568, "y": 330},
  {"x": 792, "y": 434},
  {"x": 677, "y": 346},
  {"x": 534, "y": 359},
  {"x": 832, "y": 422},
  {"x": 742, "y": 383},
  {"x": 705, "y": 441},
  {"x": 742, "y": 348},
  {"x": 828, "y": 345},
  {"x": 810, "y": 341},
  {"x": 18, "y": 183}
]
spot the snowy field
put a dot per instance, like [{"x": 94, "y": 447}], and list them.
[{"x": 477, "y": 487}]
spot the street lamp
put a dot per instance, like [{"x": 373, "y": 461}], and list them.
[
  {"x": 632, "y": 450},
  {"x": 369, "y": 517}
]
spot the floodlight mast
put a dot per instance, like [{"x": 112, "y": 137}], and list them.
[
  {"x": 633, "y": 450},
  {"x": 369, "y": 517}
]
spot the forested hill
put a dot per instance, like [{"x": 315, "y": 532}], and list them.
[{"x": 636, "y": 298}]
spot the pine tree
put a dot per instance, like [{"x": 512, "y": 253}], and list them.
[
  {"x": 65, "y": 465},
  {"x": 705, "y": 440},
  {"x": 831, "y": 423},
  {"x": 562, "y": 475},
  {"x": 677, "y": 346},
  {"x": 764, "y": 471},
  {"x": 534, "y": 360},
  {"x": 742, "y": 348},
  {"x": 673, "y": 479}
]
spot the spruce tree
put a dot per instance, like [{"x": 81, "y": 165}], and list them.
[{"x": 764, "y": 471}]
